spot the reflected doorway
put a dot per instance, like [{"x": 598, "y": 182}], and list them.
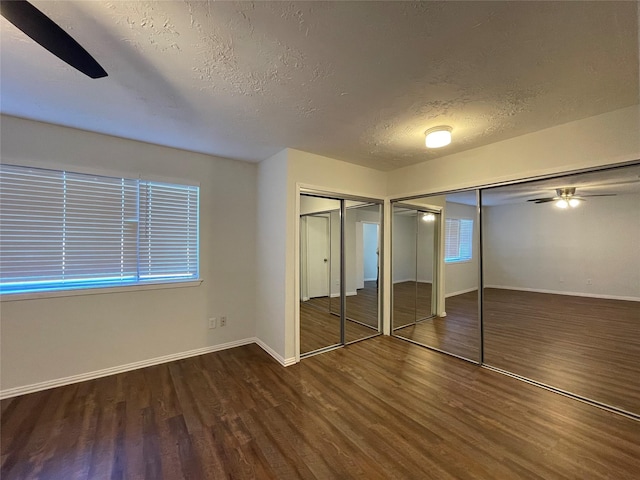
[{"x": 340, "y": 247}]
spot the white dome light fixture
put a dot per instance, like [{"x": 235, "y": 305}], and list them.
[
  {"x": 428, "y": 217},
  {"x": 438, "y": 137}
]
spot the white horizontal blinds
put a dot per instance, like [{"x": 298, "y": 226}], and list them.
[
  {"x": 100, "y": 228},
  {"x": 168, "y": 231},
  {"x": 458, "y": 240},
  {"x": 466, "y": 239},
  {"x": 31, "y": 227},
  {"x": 452, "y": 239},
  {"x": 61, "y": 230}
]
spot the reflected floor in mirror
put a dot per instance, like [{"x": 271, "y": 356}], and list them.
[
  {"x": 361, "y": 308},
  {"x": 587, "y": 346},
  {"x": 408, "y": 298},
  {"x": 319, "y": 328},
  {"x": 456, "y": 333}
]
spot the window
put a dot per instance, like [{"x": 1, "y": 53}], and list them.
[
  {"x": 61, "y": 230},
  {"x": 458, "y": 241}
]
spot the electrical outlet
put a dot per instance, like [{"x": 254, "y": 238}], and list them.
[
  {"x": 223, "y": 320},
  {"x": 212, "y": 322}
]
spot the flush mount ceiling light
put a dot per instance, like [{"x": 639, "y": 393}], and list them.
[
  {"x": 437, "y": 137},
  {"x": 428, "y": 217}
]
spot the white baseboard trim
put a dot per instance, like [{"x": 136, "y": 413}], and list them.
[
  {"x": 105, "y": 372},
  {"x": 348, "y": 294},
  {"x": 283, "y": 361},
  {"x": 573, "y": 294},
  {"x": 460, "y": 292},
  {"x": 370, "y": 279}
]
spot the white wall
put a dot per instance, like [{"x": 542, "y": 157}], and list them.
[
  {"x": 404, "y": 248},
  {"x": 271, "y": 246},
  {"x": 51, "y": 338},
  {"x": 541, "y": 247},
  {"x": 600, "y": 140},
  {"x": 369, "y": 250},
  {"x": 425, "y": 250}
]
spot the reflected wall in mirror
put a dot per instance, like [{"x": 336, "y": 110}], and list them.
[
  {"x": 561, "y": 271},
  {"x": 362, "y": 267},
  {"x": 320, "y": 325},
  {"x": 435, "y": 243},
  {"x": 321, "y": 315}
]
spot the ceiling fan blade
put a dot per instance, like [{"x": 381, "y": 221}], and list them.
[
  {"x": 47, "y": 33},
  {"x": 600, "y": 195},
  {"x": 542, "y": 200}
]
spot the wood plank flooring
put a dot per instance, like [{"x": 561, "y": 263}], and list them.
[
  {"x": 411, "y": 302},
  {"x": 457, "y": 333},
  {"x": 587, "y": 346},
  {"x": 378, "y": 409},
  {"x": 320, "y": 319},
  {"x": 320, "y": 329}
]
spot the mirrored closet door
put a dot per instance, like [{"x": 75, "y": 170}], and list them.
[
  {"x": 435, "y": 268},
  {"x": 561, "y": 274},
  {"x": 362, "y": 268},
  {"x": 339, "y": 271}
]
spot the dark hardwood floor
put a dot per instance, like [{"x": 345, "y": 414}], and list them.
[
  {"x": 320, "y": 319},
  {"x": 378, "y": 409},
  {"x": 320, "y": 329},
  {"x": 587, "y": 346},
  {"x": 411, "y": 302},
  {"x": 457, "y": 333}
]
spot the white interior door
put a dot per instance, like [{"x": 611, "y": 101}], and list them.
[{"x": 318, "y": 254}]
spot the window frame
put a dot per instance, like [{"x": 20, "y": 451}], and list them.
[{"x": 59, "y": 288}]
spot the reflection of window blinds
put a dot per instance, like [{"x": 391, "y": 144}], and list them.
[{"x": 458, "y": 240}]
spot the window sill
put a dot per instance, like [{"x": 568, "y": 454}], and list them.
[{"x": 13, "y": 297}]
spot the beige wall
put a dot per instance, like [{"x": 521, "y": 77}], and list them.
[
  {"x": 51, "y": 338},
  {"x": 592, "y": 250},
  {"x": 604, "y": 139},
  {"x": 271, "y": 245}
]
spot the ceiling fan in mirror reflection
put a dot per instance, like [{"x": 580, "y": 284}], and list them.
[{"x": 566, "y": 197}]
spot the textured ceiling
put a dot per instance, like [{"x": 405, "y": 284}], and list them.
[{"x": 357, "y": 81}]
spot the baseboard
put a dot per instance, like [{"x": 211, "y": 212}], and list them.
[
  {"x": 283, "y": 361},
  {"x": 572, "y": 294},
  {"x": 460, "y": 292},
  {"x": 105, "y": 372},
  {"x": 370, "y": 279},
  {"x": 348, "y": 294}
]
